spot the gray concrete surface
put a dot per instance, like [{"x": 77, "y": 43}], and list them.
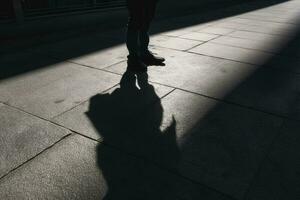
[{"x": 219, "y": 121}]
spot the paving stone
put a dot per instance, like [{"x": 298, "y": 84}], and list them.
[
  {"x": 216, "y": 30},
  {"x": 50, "y": 91},
  {"x": 199, "y": 36},
  {"x": 78, "y": 168},
  {"x": 292, "y": 49},
  {"x": 220, "y": 145},
  {"x": 201, "y": 74},
  {"x": 125, "y": 101},
  {"x": 23, "y": 136},
  {"x": 256, "y": 36},
  {"x": 195, "y": 22},
  {"x": 66, "y": 171},
  {"x": 267, "y": 18},
  {"x": 288, "y": 16},
  {"x": 181, "y": 129},
  {"x": 175, "y": 33},
  {"x": 173, "y": 42},
  {"x": 177, "y": 143},
  {"x": 275, "y": 30},
  {"x": 230, "y": 25},
  {"x": 23, "y": 62},
  {"x": 278, "y": 177},
  {"x": 257, "y": 28},
  {"x": 284, "y": 63},
  {"x": 232, "y": 53},
  {"x": 94, "y": 51},
  {"x": 267, "y": 46},
  {"x": 178, "y": 32},
  {"x": 103, "y": 58},
  {"x": 261, "y": 24},
  {"x": 273, "y": 91}
]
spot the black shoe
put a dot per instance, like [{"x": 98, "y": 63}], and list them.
[
  {"x": 150, "y": 59},
  {"x": 135, "y": 64}
]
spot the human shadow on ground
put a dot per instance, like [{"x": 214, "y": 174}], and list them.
[
  {"x": 228, "y": 147},
  {"x": 134, "y": 139}
]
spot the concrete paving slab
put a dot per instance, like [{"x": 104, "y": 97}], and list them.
[
  {"x": 279, "y": 176},
  {"x": 229, "y": 24},
  {"x": 288, "y": 16},
  {"x": 256, "y": 36},
  {"x": 199, "y": 36},
  {"x": 273, "y": 91},
  {"x": 269, "y": 46},
  {"x": 216, "y": 30},
  {"x": 23, "y": 136},
  {"x": 23, "y": 62},
  {"x": 201, "y": 74},
  {"x": 96, "y": 51},
  {"x": 164, "y": 139},
  {"x": 181, "y": 129},
  {"x": 193, "y": 22},
  {"x": 66, "y": 171},
  {"x": 285, "y": 64},
  {"x": 292, "y": 49},
  {"x": 232, "y": 53},
  {"x": 220, "y": 145},
  {"x": 125, "y": 101},
  {"x": 103, "y": 58},
  {"x": 268, "y": 18},
  {"x": 260, "y": 23},
  {"x": 173, "y": 42},
  {"x": 179, "y": 32},
  {"x": 268, "y": 15},
  {"x": 281, "y": 31},
  {"x": 79, "y": 168},
  {"x": 52, "y": 90}
]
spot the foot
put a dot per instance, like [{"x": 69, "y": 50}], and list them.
[
  {"x": 150, "y": 59},
  {"x": 135, "y": 64}
]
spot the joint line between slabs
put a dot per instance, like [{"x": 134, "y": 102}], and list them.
[{"x": 32, "y": 158}]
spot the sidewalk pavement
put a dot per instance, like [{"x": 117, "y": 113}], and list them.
[{"x": 219, "y": 121}]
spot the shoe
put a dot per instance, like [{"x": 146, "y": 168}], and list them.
[
  {"x": 150, "y": 59},
  {"x": 135, "y": 64}
]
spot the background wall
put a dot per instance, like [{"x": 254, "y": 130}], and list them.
[
  {"x": 78, "y": 22},
  {"x": 186, "y": 6}
]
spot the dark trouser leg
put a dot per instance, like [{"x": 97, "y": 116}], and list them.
[
  {"x": 144, "y": 32},
  {"x": 132, "y": 36},
  {"x": 144, "y": 41},
  {"x": 135, "y": 9}
]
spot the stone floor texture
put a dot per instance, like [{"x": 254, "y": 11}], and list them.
[{"x": 220, "y": 121}]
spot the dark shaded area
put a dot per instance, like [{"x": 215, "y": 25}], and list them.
[
  {"x": 228, "y": 142},
  {"x": 49, "y": 8},
  {"x": 234, "y": 141},
  {"x": 72, "y": 47},
  {"x": 115, "y": 118},
  {"x": 6, "y": 9},
  {"x": 252, "y": 152},
  {"x": 136, "y": 158}
]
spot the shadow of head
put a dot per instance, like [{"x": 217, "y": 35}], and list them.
[{"x": 128, "y": 120}]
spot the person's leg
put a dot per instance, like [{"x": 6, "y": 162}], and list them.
[
  {"x": 132, "y": 42},
  {"x": 148, "y": 16},
  {"x": 146, "y": 56},
  {"x": 132, "y": 35}
]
